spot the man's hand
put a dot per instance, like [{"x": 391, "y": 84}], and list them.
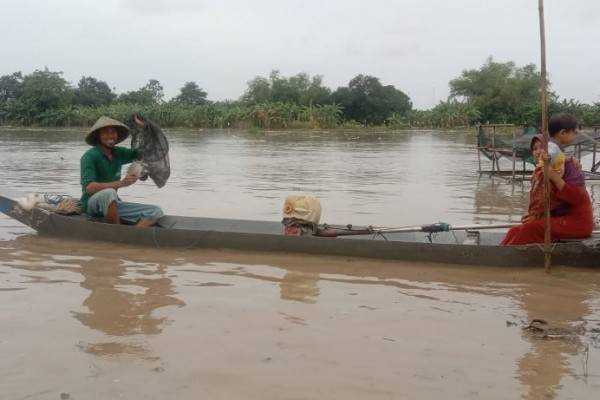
[
  {"x": 128, "y": 181},
  {"x": 138, "y": 120}
]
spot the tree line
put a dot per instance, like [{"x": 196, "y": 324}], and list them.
[{"x": 495, "y": 92}]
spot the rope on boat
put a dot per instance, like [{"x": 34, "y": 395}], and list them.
[
  {"x": 154, "y": 237},
  {"x": 542, "y": 248},
  {"x": 592, "y": 244},
  {"x": 455, "y": 238},
  {"x": 376, "y": 234}
]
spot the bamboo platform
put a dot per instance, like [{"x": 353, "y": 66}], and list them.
[{"x": 494, "y": 147}]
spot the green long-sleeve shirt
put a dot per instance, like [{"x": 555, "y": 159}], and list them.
[{"x": 96, "y": 167}]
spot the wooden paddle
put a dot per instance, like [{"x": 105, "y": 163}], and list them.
[{"x": 544, "y": 89}]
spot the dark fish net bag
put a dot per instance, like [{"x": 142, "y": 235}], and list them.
[{"x": 153, "y": 148}]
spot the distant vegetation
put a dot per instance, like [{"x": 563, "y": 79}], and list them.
[{"x": 496, "y": 93}]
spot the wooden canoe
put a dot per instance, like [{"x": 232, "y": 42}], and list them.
[{"x": 194, "y": 232}]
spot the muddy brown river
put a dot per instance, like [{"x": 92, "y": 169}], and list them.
[{"x": 91, "y": 320}]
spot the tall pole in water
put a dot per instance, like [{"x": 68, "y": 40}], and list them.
[{"x": 544, "y": 92}]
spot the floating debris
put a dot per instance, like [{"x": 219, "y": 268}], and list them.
[{"x": 539, "y": 328}]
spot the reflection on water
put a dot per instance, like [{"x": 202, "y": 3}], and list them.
[
  {"x": 121, "y": 321},
  {"x": 494, "y": 197},
  {"x": 300, "y": 286},
  {"x": 548, "y": 363},
  {"x": 123, "y": 300},
  {"x": 121, "y": 305},
  {"x": 113, "y": 349},
  {"x": 280, "y": 323}
]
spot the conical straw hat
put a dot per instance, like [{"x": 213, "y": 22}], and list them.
[{"x": 92, "y": 136}]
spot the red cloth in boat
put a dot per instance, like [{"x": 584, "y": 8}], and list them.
[{"x": 577, "y": 223}]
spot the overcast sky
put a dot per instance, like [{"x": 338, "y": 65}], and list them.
[{"x": 415, "y": 45}]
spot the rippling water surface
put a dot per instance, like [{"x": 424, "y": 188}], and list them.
[
  {"x": 85, "y": 320},
  {"x": 399, "y": 178}
]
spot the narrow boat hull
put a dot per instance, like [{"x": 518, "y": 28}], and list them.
[{"x": 188, "y": 232}]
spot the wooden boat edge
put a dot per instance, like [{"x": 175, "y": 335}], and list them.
[{"x": 55, "y": 225}]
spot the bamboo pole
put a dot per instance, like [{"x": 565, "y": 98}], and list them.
[
  {"x": 514, "y": 155},
  {"x": 544, "y": 84},
  {"x": 479, "y": 135}
]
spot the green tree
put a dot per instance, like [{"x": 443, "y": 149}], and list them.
[
  {"x": 10, "y": 90},
  {"x": 366, "y": 100},
  {"x": 191, "y": 94},
  {"x": 502, "y": 92},
  {"x": 39, "y": 93},
  {"x": 258, "y": 91},
  {"x": 151, "y": 93},
  {"x": 10, "y": 87},
  {"x": 315, "y": 93},
  {"x": 92, "y": 92},
  {"x": 300, "y": 89},
  {"x": 286, "y": 90},
  {"x": 589, "y": 114}
]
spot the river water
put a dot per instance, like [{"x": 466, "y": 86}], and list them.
[{"x": 85, "y": 320}]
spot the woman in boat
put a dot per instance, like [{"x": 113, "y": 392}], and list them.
[{"x": 572, "y": 215}]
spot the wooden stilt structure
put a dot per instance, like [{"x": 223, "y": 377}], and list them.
[{"x": 497, "y": 142}]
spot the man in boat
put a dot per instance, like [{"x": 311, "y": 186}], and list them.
[{"x": 101, "y": 176}]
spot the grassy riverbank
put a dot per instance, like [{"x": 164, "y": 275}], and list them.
[{"x": 210, "y": 116}]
